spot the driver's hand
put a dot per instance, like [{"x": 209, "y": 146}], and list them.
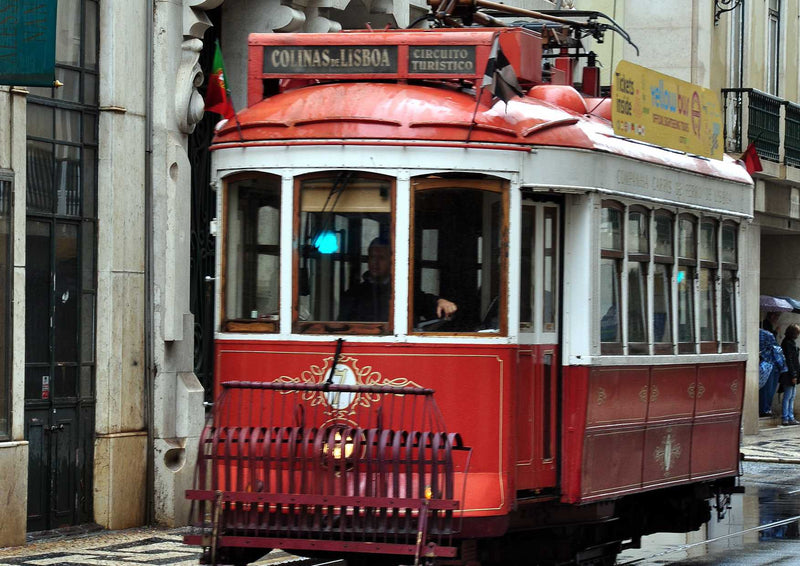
[{"x": 445, "y": 308}]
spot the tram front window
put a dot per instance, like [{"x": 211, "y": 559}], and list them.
[
  {"x": 457, "y": 255},
  {"x": 252, "y": 266},
  {"x": 344, "y": 281}
]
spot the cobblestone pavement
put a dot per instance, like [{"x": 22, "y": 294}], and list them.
[
  {"x": 151, "y": 546},
  {"x": 133, "y": 546},
  {"x": 773, "y": 444}
]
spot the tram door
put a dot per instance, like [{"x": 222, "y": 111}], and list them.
[{"x": 539, "y": 308}]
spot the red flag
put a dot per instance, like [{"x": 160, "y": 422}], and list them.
[
  {"x": 751, "y": 160},
  {"x": 217, "y": 96}
]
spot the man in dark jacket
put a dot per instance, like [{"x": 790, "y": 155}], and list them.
[
  {"x": 788, "y": 379},
  {"x": 369, "y": 300}
]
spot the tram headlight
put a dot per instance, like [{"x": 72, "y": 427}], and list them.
[{"x": 340, "y": 446}]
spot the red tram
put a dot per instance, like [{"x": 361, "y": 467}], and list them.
[{"x": 456, "y": 330}]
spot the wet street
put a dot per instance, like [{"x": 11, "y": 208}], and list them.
[{"x": 772, "y": 495}]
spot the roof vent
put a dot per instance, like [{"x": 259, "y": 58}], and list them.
[{"x": 560, "y": 95}]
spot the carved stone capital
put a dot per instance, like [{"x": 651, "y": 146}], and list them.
[
  {"x": 287, "y": 19},
  {"x": 188, "y": 102},
  {"x": 195, "y": 21}
]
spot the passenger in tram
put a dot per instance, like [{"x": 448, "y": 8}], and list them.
[
  {"x": 369, "y": 300},
  {"x": 788, "y": 379}
]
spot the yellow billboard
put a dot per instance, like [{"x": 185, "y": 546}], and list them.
[{"x": 665, "y": 111}]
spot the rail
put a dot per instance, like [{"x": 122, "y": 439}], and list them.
[
  {"x": 792, "y": 135},
  {"x": 771, "y": 123}
]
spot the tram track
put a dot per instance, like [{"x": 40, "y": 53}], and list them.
[
  {"x": 684, "y": 547},
  {"x": 284, "y": 558}
]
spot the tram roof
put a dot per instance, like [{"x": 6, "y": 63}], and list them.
[{"x": 365, "y": 109}]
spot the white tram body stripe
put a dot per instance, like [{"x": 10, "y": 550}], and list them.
[
  {"x": 584, "y": 177},
  {"x": 562, "y": 169}
]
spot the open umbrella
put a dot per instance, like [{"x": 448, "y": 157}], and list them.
[
  {"x": 774, "y": 304},
  {"x": 793, "y": 302}
]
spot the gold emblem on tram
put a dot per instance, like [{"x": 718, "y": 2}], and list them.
[
  {"x": 343, "y": 404},
  {"x": 667, "y": 453}
]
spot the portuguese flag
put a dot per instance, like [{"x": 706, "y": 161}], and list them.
[{"x": 217, "y": 96}]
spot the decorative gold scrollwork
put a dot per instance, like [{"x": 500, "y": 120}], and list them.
[{"x": 696, "y": 389}]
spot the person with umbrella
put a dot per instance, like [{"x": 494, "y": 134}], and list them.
[
  {"x": 770, "y": 323},
  {"x": 771, "y": 365},
  {"x": 774, "y": 306}
]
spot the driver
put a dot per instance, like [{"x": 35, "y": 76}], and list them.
[{"x": 369, "y": 300}]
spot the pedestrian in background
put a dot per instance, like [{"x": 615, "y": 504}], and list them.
[
  {"x": 771, "y": 365},
  {"x": 788, "y": 379},
  {"x": 770, "y": 323}
]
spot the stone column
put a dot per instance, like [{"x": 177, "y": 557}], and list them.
[
  {"x": 14, "y": 452},
  {"x": 120, "y": 449},
  {"x": 750, "y": 275},
  {"x": 177, "y": 394}
]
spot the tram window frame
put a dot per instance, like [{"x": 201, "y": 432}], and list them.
[
  {"x": 492, "y": 300},
  {"x": 664, "y": 263},
  {"x": 234, "y": 268},
  {"x": 688, "y": 264},
  {"x": 640, "y": 258},
  {"x": 612, "y": 257},
  {"x": 708, "y": 275},
  {"x": 729, "y": 271},
  {"x": 348, "y": 265},
  {"x": 540, "y": 267},
  {"x": 709, "y": 249}
]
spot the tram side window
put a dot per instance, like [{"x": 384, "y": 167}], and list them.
[
  {"x": 687, "y": 266},
  {"x": 638, "y": 262},
  {"x": 550, "y": 258},
  {"x": 252, "y": 270},
  {"x": 611, "y": 238},
  {"x": 708, "y": 285},
  {"x": 458, "y": 255},
  {"x": 691, "y": 264},
  {"x": 527, "y": 267},
  {"x": 730, "y": 269},
  {"x": 539, "y": 268},
  {"x": 344, "y": 277},
  {"x": 663, "y": 265}
]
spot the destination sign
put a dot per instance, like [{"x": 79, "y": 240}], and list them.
[
  {"x": 330, "y": 60},
  {"x": 441, "y": 59}
]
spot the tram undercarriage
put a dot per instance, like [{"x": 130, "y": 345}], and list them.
[{"x": 540, "y": 532}]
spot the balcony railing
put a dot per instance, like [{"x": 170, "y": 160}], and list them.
[
  {"x": 755, "y": 116},
  {"x": 792, "y": 135}
]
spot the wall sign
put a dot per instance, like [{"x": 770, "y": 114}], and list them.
[{"x": 27, "y": 42}]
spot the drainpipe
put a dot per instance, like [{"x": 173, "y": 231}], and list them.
[{"x": 150, "y": 370}]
